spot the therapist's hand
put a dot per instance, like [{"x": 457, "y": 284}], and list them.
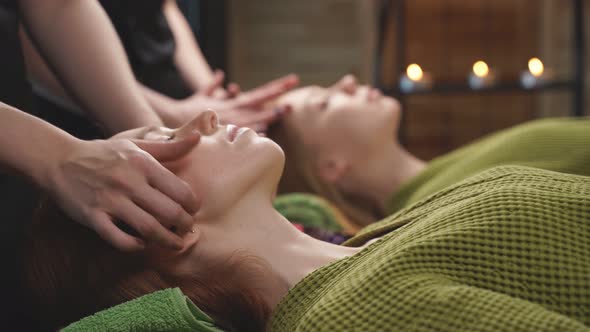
[
  {"x": 215, "y": 89},
  {"x": 248, "y": 108},
  {"x": 104, "y": 183},
  {"x": 244, "y": 109}
]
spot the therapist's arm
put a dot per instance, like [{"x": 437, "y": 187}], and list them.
[
  {"x": 188, "y": 57},
  {"x": 81, "y": 46}
]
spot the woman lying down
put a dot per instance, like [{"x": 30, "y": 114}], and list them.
[
  {"x": 341, "y": 143},
  {"x": 505, "y": 250}
]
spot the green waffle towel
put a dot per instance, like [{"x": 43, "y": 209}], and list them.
[
  {"x": 165, "y": 310},
  {"x": 559, "y": 145},
  {"x": 506, "y": 250},
  {"x": 308, "y": 210}
]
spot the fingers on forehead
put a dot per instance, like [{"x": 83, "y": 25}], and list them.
[{"x": 156, "y": 133}]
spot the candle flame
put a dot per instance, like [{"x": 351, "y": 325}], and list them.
[
  {"x": 481, "y": 69},
  {"x": 536, "y": 67},
  {"x": 414, "y": 72}
]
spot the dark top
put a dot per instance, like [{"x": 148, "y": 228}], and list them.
[
  {"x": 14, "y": 89},
  {"x": 17, "y": 197},
  {"x": 149, "y": 44}
]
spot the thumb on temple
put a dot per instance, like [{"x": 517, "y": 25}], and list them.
[{"x": 169, "y": 150}]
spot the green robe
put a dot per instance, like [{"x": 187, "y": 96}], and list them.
[
  {"x": 561, "y": 145},
  {"x": 505, "y": 250}
]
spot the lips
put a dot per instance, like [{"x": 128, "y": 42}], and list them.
[
  {"x": 232, "y": 132},
  {"x": 374, "y": 94}
]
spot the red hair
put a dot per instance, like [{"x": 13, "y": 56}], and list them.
[{"x": 71, "y": 273}]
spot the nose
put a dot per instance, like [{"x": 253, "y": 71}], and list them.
[
  {"x": 205, "y": 123},
  {"x": 348, "y": 84},
  {"x": 364, "y": 93}
]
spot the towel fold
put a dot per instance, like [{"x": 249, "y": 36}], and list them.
[{"x": 165, "y": 310}]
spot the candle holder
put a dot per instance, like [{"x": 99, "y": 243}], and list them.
[
  {"x": 481, "y": 76},
  {"x": 536, "y": 74},
  {"x": 414, "y": 79}
]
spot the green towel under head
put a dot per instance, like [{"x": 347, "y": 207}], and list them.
[
  {"x": 165, "y": 310},
  {"x": 313, "y": 211}
]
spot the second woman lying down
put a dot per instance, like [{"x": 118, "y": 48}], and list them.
[
  {"x": 342, "y": 143},
  {"x": 505, "y": 250}
]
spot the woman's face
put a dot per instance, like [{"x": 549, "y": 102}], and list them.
[
  {"x": 227, "y": 164},
  {"x": 345, "y": 119}
]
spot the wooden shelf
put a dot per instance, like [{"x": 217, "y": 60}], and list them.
[
  {"x": 463, "y": 88},
  {"x": 395, "y": 11}
]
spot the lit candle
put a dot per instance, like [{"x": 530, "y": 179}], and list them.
[
  {"x": 415, "y": 72},
  {"x": 415, "y": 79},
  {"x": 536, "y": 67},
  {"x": 481, "y": 69},
  {"x": 481, "y": 75},
  {"x": 537, "y": 74}
]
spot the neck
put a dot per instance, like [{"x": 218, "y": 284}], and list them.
[
  {"x": 261, "y": 231},
  {"x": 294, "y": 254},
  {"x": 390, "y": 168}
]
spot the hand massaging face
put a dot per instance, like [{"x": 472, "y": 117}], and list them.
[{"x": 229, "y": 169}]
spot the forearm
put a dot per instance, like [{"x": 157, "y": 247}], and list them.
[
  {"x": 37, "y": 69},
  {"x": 28, "y": 145},
  {"x": 163, "y": 105},
  {"x": 188, "y": 58},
  {"x": 82, "y": 47}
]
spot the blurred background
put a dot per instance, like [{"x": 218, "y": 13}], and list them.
[{"x": 257, "y": 40}]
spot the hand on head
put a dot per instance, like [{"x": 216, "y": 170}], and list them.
[
  {"x": 103, "y": 182},
  {"x": 244, "y": 109}
]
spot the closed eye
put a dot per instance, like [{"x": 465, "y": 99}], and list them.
[{"x": 325, "y": 103}]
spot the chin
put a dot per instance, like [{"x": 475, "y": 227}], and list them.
[
  {"x": 278, "y": 160},
  {"x": 271, "y": 161},
  {"x": 393, "y": 109},
  {"x": 391, "y": 105},
  {"x": 389, "y": 120}
]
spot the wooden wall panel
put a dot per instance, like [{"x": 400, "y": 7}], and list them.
[
  {"x": 447, "y": 37},
  {"x": 319, "y": 40}
]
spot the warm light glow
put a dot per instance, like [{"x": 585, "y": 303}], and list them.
[
  {"x": 481, "y": 69},
  {"x": 536, "y": 67},
  {"x": 414, "y": 72}
]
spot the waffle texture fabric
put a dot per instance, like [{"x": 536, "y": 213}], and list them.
[
  {"x": 163, "y": 311},
  {"x": 561, "y": 145},
  {"x": 505, "y": 250},
  {"x": 308, "y": 210}
]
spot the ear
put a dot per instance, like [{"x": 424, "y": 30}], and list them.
[
  {"x": 162, "y": 255},
  {"x": 191, "y": 238},
  {"x": 332, "y": 169}
]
